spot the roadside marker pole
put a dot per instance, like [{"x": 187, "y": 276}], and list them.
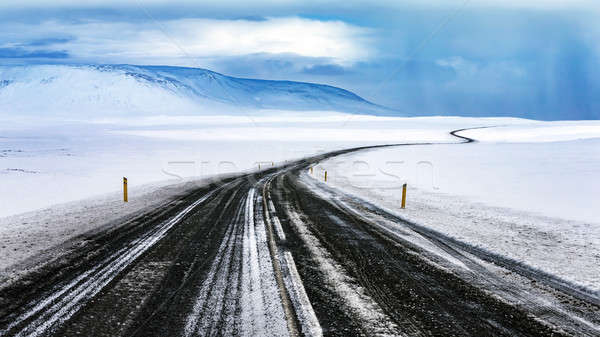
[
  {"x": 325, "y": 176},
  {"x": 403, "y": 195},
  {"x": 311, "y": 171},
  {"x": 124, "y": 189}
]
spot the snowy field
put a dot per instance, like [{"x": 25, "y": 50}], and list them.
[
  {"x": 45, "y": 163},
  {"x": 528, "y": 192},
  {"x": 60, "y": 180}
]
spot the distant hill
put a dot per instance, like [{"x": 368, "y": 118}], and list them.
[{"x": 84, "y": 90}]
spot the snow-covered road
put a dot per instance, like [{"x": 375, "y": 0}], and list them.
[{"x": 278, "y": 253}]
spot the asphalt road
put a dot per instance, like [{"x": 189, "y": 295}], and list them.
[{"x": 277, "y": 253}]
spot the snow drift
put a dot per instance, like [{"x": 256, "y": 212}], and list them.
[{"x": 100, "y": 90}]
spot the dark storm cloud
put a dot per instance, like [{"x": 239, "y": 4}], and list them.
[{"x": 21, "y": 53}]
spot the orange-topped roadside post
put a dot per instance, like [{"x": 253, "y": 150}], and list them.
[
  {"x": 403, "y": 196},
  {"x": 124, "y": 189}
]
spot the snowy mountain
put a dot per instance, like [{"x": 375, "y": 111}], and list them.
[{"x": 85, "y": 90}]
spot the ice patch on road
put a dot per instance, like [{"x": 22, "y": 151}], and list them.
[
  {"x": 252, "y": 303},
  {"x": 258, "y": 299},
  {"x": 262, "y": 310},
  {"x": 208, "y": 304},
  {"x": 354, "y": 296},
  {"x": 393, "y": 229},
  {"x": 57, "y": 308},
  {"x": 307, "y": 317},
  {"x": 276, "y": 222},
  {"x": 309, "y": 324}
]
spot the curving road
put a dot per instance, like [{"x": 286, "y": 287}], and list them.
[{"x": 277, "y": 253}]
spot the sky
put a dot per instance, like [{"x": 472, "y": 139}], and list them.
[{"x": 536, "y": 59}]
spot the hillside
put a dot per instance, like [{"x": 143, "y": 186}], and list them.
[{"x": 82, "y": 90}]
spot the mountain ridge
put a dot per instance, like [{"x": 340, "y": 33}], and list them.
[{"x": 123, "y": 88}]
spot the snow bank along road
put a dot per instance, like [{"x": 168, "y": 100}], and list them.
[{"x": 277, "y": 253}]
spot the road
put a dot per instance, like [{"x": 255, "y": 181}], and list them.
[{"x": 278, "y": 253}]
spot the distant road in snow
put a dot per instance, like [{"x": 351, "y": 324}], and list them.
[{"x": 275, "y": 252}]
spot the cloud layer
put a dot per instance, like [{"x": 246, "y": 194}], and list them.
[
  {"x": 191, "y": 39},
  {"x": 537, "y": 58},
  {"x": 300, "y": 3}
]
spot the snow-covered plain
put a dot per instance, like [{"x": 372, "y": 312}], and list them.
[
  {"x": 531, "y": 201},
  {"x": 48, "y": 163},
  {"x": 527, "y": 191},
  {"x": 68, "y": 134},
  {"x": 43, "y": 165},
  {"x": 59, "y": 180}
]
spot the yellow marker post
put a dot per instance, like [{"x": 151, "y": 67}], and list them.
[
  {"x": 325, "y": 176},
  {"x": 272, "y": 163},
  {"x": 124, "y": 189},
  {"x": 403, "y": 195},
  {"x": 259, "y": 166},
  {"x": 311, "y": 170}
]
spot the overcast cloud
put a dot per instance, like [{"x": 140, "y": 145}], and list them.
[
  {"x": 536, "y": 58},
  {"x": 136, "y": 42}
]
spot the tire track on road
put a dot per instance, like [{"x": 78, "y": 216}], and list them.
[
  {"x": 414, "y": 294},
  {"x": 61, "y": 304},
  {"x": 568, "y": 311},
  {"x": 265, "y": 254}
]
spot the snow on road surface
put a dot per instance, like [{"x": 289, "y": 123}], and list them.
[
  {"x": 537, "y": 132},
  {"x": 45, "y": 164},
  {"x": 357, "y": 301},
  {"x": 340, "y": 266},
  {"x": 61, "y": 180},
  {"x": 261, "y": 310},
  {"x": 30, "y": 234},
  {"x": 58, "y": 308},
  {"x": 532, "y": 199}
]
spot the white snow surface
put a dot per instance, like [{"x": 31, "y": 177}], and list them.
[
  {"x": 533, "y": 199},
  {"x": 43, "y": 163},
  {"x": 29, "y": 234},
  {"x": 59, "y": 180},
  {"x": 537, "y": 132},
  {"x": 84, "y": 91},
  {"x": 48, "y": 166}
]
